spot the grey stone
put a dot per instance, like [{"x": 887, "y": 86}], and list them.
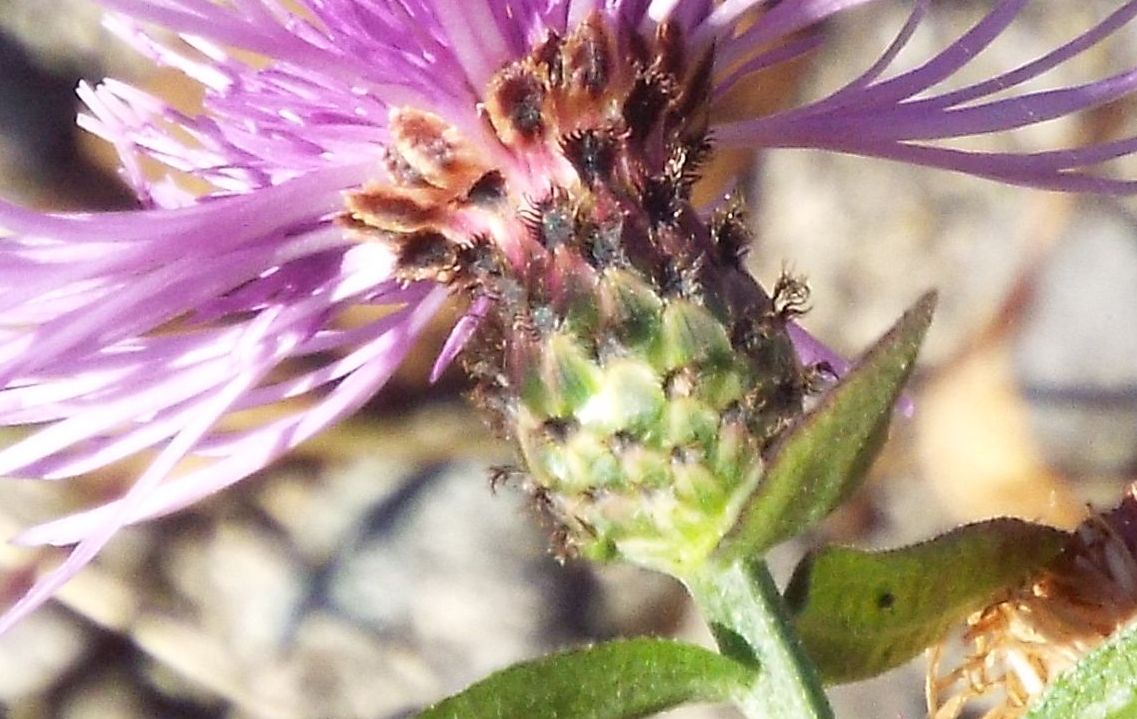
[
  {"x": 105, "y": 695},
  {"x": 461, "y": 572},
  {"x": 1076, "y": 355},
  {"x": 37, "y": 652}
]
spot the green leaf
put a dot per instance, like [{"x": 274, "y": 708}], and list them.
[
  {"x": 860, "y": 613},
  {"x": 1103, "y": 685},
  {"x": 823, "y": 458},
  {"x": 616, "y": 680}
]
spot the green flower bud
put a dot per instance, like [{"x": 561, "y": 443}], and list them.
[{"x": 640, "y": 371}]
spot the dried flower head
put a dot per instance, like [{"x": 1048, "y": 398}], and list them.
[
  {"x": 386, "y": 155},
  {"x": 1019, "y": 644}
]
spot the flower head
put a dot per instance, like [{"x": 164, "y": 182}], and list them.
[
  {"x": 390, "y": 154},
  {"x": 1020, "y": 643}
]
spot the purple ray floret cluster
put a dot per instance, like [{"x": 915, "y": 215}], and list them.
[{"x": 145, "y": 330}]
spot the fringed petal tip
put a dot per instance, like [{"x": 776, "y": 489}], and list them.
[
  {"x": 230, "y": 456},
  {"x": 897, "y": 117}
]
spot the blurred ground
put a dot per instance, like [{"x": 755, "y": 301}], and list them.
[{"x": 375, "y": 571}]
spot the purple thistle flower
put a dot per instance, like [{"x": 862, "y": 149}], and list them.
[{"x": 144, "y": 330}]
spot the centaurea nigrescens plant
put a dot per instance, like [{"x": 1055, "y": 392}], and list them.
[{"x": 534, "y": 159}]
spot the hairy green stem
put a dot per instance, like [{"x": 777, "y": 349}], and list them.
[{"x": 749, "y": 619}]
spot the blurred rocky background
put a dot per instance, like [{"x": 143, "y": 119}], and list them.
[{"x": 375, "y": 571}]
